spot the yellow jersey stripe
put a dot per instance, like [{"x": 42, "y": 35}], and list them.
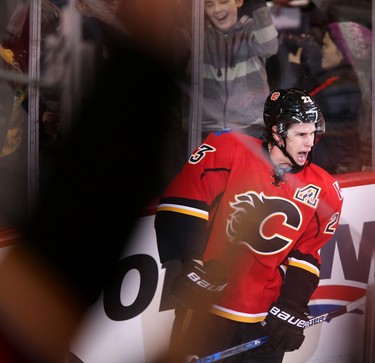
[
  {"x": 304, "y": 265},
  {"x": 199, "y": 213},
  {"x": 237, "y": 316}
]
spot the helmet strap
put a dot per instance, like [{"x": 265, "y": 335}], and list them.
[{"x": 296, "y": 167}]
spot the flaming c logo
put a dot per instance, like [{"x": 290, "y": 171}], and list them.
[
  {"x": 263, "y": 224},
  {"x": 275, "y": 96}
]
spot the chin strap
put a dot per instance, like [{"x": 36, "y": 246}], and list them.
[
  {"x": 295, "y": 165},
  {"x": 283, "y": 149},
  {"x": 279, "y": 172}
]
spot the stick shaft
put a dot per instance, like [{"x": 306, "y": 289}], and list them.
[
  {"x": 234, "y": 350},
  {"x": 262, "y": 340},
  {"x": 337, "y": 312}
]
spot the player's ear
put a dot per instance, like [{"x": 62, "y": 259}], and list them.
[
  {"x": 275, "y": 133},
  {"x": 239, "y": 3}
]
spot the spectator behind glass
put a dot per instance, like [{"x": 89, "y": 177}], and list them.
[
  {"x": 291, "y": 36},
  {"x": 338, "y": 91},
  {"x": 14, "y": 57},
  {"x": 235, "y": 50},
  {"x": 355, "y": 42}
]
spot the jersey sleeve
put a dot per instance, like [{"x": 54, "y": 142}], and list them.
[
  {"x": 303, "y": 262},
  {"x": 184, "y": 209}
]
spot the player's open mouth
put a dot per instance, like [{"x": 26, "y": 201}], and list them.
[{"x": 302, "y": 156}]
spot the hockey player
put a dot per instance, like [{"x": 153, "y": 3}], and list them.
[{"x": 247, "y": 218}]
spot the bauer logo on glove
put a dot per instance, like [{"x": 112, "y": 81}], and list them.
[
  {"x": 284, "y": 326},
  {"x": 291, "y": 319},
  {"x": 198, "y": 285}
]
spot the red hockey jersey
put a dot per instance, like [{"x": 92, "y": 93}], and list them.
[{"x": 226, "y": 205}]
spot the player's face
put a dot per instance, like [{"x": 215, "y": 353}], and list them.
[
  {"x": 331, "y": 55},
  {"x": 299, "y": 141},
  {"x": 222, "y": 13}
]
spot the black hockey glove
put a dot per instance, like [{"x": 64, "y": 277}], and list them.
[
  {"x": 197, "y": 286},
  {"x": 284, "y": 326}
]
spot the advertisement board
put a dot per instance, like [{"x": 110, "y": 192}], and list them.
[{"x": 132, "y": 320}]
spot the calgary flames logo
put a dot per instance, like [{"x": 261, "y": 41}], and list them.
[
  {"x": 265, "y": 225},
  {"x": 275, "y": 96}
]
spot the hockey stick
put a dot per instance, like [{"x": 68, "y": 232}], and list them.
[
  {"x": 260, "y": 341},
  {"x": 337, "y": 312}
]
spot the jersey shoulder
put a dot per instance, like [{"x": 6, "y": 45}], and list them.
[
  {"x": 325, "y": 181},
  {"x": 315, "y": 169}
]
